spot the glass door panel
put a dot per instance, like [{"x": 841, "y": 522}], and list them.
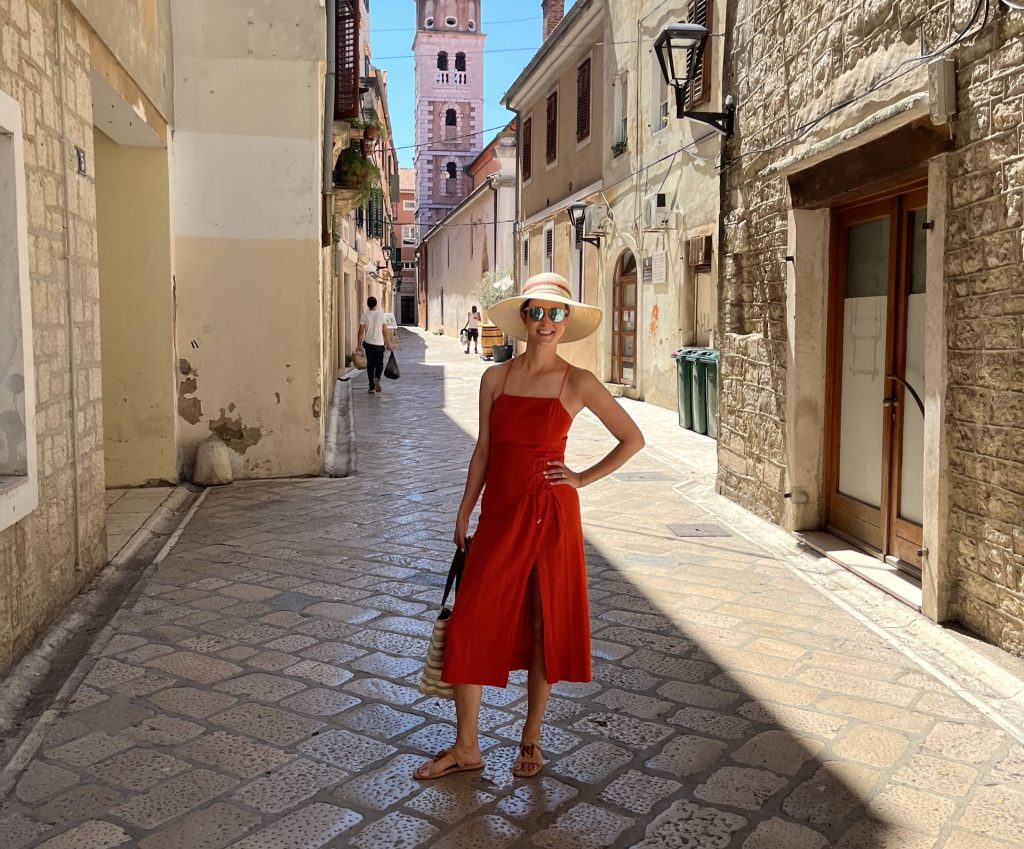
[{"x": 911, "y": 505}]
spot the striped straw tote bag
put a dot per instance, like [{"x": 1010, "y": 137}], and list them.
[{"x": 430, "y": 682}]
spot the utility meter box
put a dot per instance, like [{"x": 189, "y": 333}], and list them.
[{"x": 942, "y": 89}]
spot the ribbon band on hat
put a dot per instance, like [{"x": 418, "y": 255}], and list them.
[{"x": 583, "y": 319}]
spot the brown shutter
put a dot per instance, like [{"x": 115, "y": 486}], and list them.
[
  {"x": 527, "y": 148},
  {"x": 346, "y": 81},
  {"x": 551, "y": 149},
  {"x": 583, "y": 101},
  {"x": 699, "y": 12}
]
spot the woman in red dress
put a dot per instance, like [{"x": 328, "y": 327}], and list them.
[{"x": 522, "y": 603}]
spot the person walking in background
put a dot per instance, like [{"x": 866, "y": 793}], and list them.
[
  {"x": 472, "y": 329},
  {"x": 522, "y": 602},
  {"x": 374, "y": 338}
]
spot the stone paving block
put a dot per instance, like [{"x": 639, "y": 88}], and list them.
[
  {"x": 342, "y": 612},
  {"x": 869, "y": 833},
  {"x": 558, "y": 709},
  {"x": 688, "y": 826},
  {"x": 777, "y": 648},
  {"x": 195, "y": 667},
  {"x": 592, "y": 763},
  {"x": 625, "y": 729},
  {"x": 698, "y": 695},
  {"x": 42, "y": 780},
  {"x": 686, "y": 755},
  {"x": 665, "y": 643},
  {"x": 553, "y": 740},
  {"x": 973, "y": 744},
  {"x": 834, "y": 790},
  {"x": 137, "y": 769},
  {"x": 856, "y": 685},
  {"x": 709, "y": 722},
  {"x": 996, "y": 812},
  {"x": 386, "y": 665},
  {"x": 164, "y": 731},
  {"x": 947, "y": 707},
  {"x": 107, "y": 672},
  {"x": 583, "y": 826},
  {"x": 206, "y": 643},
  {"x": 270, "y": 661},
  {"x": 272, "y": 725},
  {"x": 309, "y": 827},
  {"x": 381, "y": 721},
  {"x": 337, "y": 654},
  {"x": 85, "y": 697},
  {"x": 210, "y": 828},
  {"x": 178, "y": 796},
  {"x": 779, "y": 834},
  {"x": 122, "y": 643},
  {"x": 398, "y": 605},
  {"x": 432, "y": 738},
  {"x": 488, "y": 831},
  {"x": 969, "y": 840},
  {"x": 290, "y": 643},
  {"x": 385, "y": 691},
  {"x": 395, "y": 831},
  {"x": 936, "y": 774},
  {"x": 399, "y": 644},
  {"x": 93, "y": 834},
  {"x": 383, "y": 787},
  {"x": 533, "y": 799},
  {"x": 348, "y": 751},
  {"x": 634, "y": 704},
  {"x": 248, "y": 592},
  {"x": 191, "y": 701},
  {"x": 669, "y": 666},
  {"x": 282, "y": 618},
  {"x": 17, "y": 831},
  {"x": 502, "y": 696},
  {"x": 740, "y": 787},
  {"x": 489, "y": 719},
  {"x": 238, "y": 755},
  {"x": 908, "y": 807},
  {"x": 258, "y": 685},
  {"x": 84, "y": 801},
  {"x": 778, "y": 751},
  {"x": 872, "y": 746},
  {"x": 288, "y": 785},
  {"x": 449, "y": 801},
  {"x": 321, "y": 673},
  {"x": 238, "y": 653},
  {"x": 796, "y": 720},
  {"x": 318, "y": 701},
  {"x": 629, "y": 679},
  {"x": 252, "y": 632},
  {"x": 573, "y": 690},
  {"x": 638, "y": 791},
  {"x": 90, "y": 748}
]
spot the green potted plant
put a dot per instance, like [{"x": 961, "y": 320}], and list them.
[
  {"x": 354, "y": 171},
  {"x": 495, "y": 286},
  {"x": 619, "y": 147}
]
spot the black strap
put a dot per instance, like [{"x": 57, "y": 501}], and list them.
[{"x": 455, "y": 572}]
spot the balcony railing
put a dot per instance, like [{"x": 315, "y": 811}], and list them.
[
  {"x": 460, "y": 78},
  {"x": 442, "y": 77},
  {"x": 448, "y": 77}
]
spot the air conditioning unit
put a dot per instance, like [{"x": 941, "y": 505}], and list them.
[
  {"x": 698, "y": 252},
  {"x": 657, "y": 208},
  {"x": 595, "y": 220}
]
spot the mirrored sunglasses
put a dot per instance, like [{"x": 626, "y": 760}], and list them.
[{"x": 556, "y": 314}]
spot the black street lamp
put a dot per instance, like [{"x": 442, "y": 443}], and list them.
[
  {"x": 577, "y": 213},
  {"x": 679, "y": 48}
]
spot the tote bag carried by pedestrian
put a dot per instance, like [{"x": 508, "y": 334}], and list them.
[
  {"x": 359, "y": 358},
  {"x": 391, "y": 369},
  {"x": 431, "y": 683}
]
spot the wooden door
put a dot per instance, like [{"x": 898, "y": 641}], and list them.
[
  {"x": 875, "y": 432},
  {"x": 623, "y": 364}
]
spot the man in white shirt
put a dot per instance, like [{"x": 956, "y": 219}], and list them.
[
  {"x": 472, "y": 329},
  {"x": 374, "y": 338}
]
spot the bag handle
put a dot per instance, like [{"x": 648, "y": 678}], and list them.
[{"x": 455, "y": 572}]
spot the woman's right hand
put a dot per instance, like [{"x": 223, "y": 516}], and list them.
[{"x": 461, "y": 531}]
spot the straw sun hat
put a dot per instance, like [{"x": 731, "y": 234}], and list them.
[{"x": 582, "y": 321}]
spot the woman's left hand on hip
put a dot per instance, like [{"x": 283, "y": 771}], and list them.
[{"x": 559, "y": 474}]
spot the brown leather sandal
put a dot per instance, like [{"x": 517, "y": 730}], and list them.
[
  {"x": 524, "y": 768},
  {"x": 449, "y": 770}
]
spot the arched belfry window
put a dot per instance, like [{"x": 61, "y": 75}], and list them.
[
  {"x": 452, "y": 170},
  {"x": 450, "y": 118},
  {"x": 460, "y": 61},
  {"x": 442, "y": 61}
]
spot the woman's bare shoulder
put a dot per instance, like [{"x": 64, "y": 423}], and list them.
[{"x": 583, "y": 380}]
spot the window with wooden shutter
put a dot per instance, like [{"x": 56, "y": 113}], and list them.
[
  {"x": 527, "y": 148},
  {"x": 551, "y": 147},
  {"x": 549, "y": 247},
  {"x": 526, "y": 256},
  {"x": 346, "y": 81},
  {"x": 583, "y": 101},
  {"x": 699, "y": 12}
]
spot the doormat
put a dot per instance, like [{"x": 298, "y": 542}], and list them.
[
  {"x": 641, "y": 476},
  {"x": 703, "y": 530}
]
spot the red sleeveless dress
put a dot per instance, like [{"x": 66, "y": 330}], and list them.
[{"x": 526, "y": 525}]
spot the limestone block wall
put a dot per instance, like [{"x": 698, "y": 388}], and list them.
[
  {"x": 829, "y": 53},
  {"x": 43, "y": 562}
]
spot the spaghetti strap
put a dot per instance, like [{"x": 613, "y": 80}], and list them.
[
  {"x": 508, "y": 371},
  {"x": 565, "y": 377}
]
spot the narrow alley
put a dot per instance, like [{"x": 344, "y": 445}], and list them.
[{"x": 258, "y": 690}]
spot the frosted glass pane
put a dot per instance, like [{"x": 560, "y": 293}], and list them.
[
  {"x": 867, "y": 259},
  {"x": 912, "y": 473}
]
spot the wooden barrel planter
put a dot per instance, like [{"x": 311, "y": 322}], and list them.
[{"x": 489, "y": 337}]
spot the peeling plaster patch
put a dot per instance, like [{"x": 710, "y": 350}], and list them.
[
  {"x": 654, "y": 321},
  {"x": 190, "y": 409},
  {"x": 234, "y": 434},
  {"x": 316, "y": 407},
  {"x": 277, "y": 395}
]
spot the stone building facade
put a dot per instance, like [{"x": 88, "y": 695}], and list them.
[
  {"x": 449, "y": 56},
  {"x": 872, "y": 258}
]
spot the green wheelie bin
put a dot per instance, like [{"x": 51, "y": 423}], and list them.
[
  {"x": 698, "y": 392},
  {"x": 684, "y": 386},
  {"x": 708, "y": 364}
]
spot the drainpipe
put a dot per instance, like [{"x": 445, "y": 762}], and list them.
[
  {"x": 332, "y": 73},
  {"x": 516, "y": 225},
  {"x": 72, "y": 369}
]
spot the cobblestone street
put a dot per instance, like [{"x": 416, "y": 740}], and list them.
[{"x": 258, "y": 690}]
